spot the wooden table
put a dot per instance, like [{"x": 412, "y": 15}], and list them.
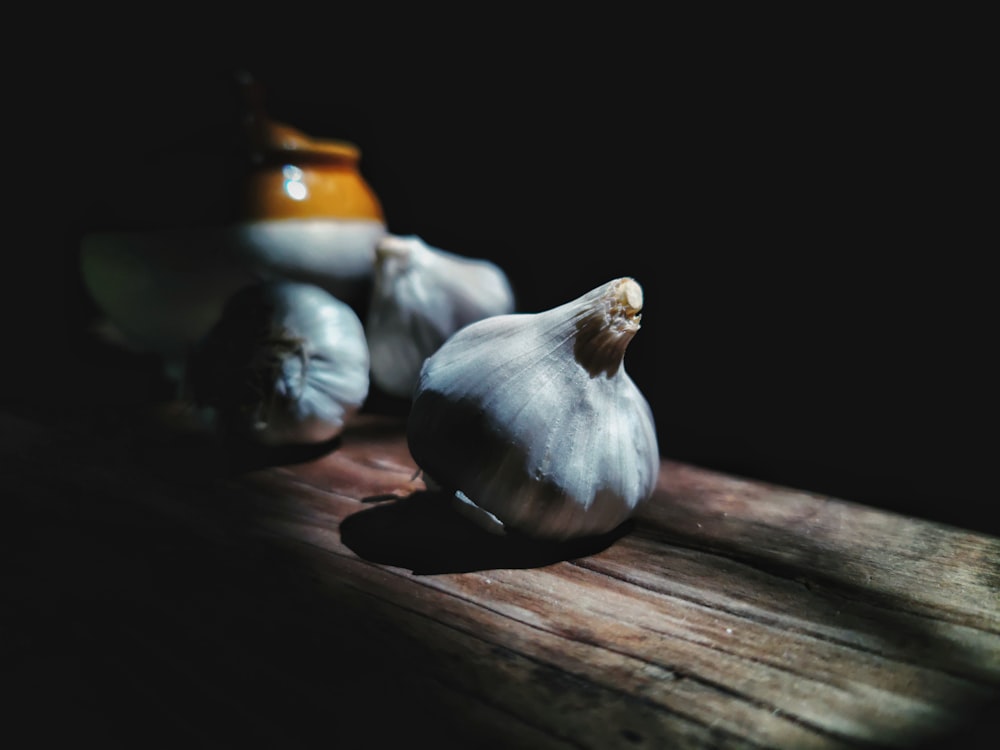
[{"x": 166, "y": 591}]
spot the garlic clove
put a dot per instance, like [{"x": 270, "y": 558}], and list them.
[
  {"x": 421, "y": 295},
  {"x": 287, "y": 363},
  {"x": 534, "y": 420}
]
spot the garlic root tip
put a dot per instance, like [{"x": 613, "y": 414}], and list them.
[{"x": 630, "y": 295}]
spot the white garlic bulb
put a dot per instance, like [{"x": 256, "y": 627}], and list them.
[
  {"x": 286, "y": 364},
  {"x": 533, "y": 422},
  {"x": 421, "y": 295}
]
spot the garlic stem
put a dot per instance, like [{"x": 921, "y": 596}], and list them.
[
  {"x": 606, "y": 324},
  {"x": 393, "y": 247}
]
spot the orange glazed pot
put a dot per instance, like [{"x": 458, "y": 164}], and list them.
[
  {"x": 298, "y": 177},
  {"x": 306, "y": 214}
]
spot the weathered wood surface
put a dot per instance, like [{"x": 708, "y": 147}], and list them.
[{"x": 163, "y": 591}]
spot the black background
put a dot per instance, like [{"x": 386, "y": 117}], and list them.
[{"x": 798, "y": 196}]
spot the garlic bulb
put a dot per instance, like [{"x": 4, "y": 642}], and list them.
[
  {"x": 287, "y": 363},
  {"x": 532, "y": 421},
  {"x": 421, "y": 295}
]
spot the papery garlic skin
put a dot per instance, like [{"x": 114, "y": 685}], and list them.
[
  {"x": 287, "y": 363},
  {"x": 421, "y": 295},
  {"x": 533, "y": 419}
]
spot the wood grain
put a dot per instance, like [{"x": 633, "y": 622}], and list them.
[{"x": 232, "y": 599}]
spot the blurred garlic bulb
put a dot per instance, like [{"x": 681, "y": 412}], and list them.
[
  {"x": 286, "y": 364},
  {"x": 532, "y": 421},
  {"x": 421, "y": 295}
]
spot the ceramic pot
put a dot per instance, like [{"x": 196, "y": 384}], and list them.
[
  {"x": 299, "y": 177},
  {"x": 308, "y": 215}
]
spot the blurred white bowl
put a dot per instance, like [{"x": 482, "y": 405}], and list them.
[{"x": 163, "y": 290}]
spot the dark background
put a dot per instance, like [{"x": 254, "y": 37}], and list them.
[{"x": 799, "y": 198}]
